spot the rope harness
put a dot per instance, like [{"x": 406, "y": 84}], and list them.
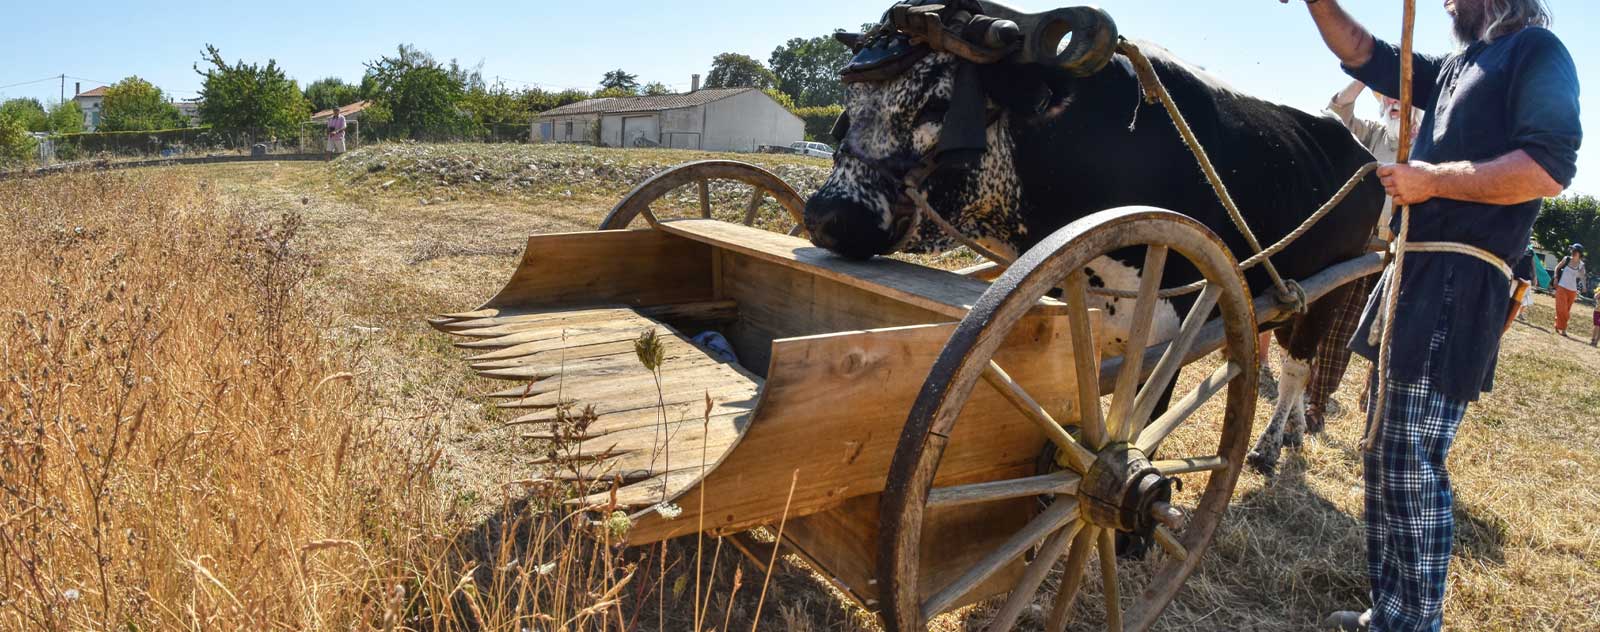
[{"x": 1152, "y": 91}]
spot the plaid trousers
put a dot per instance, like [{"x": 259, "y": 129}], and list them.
[
  {"x": 1333, "y": 353},
  {"x": 1409, "y": 503}
]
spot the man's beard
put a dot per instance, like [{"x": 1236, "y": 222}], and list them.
[{"x": 1469, "y": 21}]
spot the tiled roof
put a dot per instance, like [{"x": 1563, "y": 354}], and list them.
[
  {"x": 645, "y": 104},
  {"x": 347, "y": 110},
  {"x": 97, "y": 92}
]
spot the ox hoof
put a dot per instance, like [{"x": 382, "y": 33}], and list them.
[
  {"x": 1262, "y": 465},
  {"x": 1293, "y": 441},
  {"x": 1132, "y": 546}
]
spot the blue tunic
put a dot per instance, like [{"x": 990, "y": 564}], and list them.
[{"x": 1517, "y": 92}]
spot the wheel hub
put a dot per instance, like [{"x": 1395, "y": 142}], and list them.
[{"x": 1123, "y": 491}]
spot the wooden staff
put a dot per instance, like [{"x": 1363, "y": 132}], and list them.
[{"x": 1392, "y": 290}]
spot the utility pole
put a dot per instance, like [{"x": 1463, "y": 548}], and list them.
[{"x": 63, "y": 87}]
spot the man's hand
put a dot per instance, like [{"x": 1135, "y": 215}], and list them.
[{"x": 1409, "y": 184}]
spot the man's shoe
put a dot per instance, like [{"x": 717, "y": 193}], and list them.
[{"x": 1349, "y": 621}]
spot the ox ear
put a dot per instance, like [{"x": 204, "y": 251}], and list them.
[
  {"x": 850, "y": 40},
  {"x": 1018, "y": 89}
]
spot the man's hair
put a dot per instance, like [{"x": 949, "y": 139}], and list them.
[{"x": 1503, "y": 17}]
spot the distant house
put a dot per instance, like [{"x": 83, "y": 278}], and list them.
[
  {"x": 713, "y": 119},
  {"x": 190, "y": 111},
  {"x": 89, "y": 102}
]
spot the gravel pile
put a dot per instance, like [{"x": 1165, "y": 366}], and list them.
[{"x": 448, "y": 171}]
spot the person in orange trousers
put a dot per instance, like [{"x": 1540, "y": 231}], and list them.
[{"x": 1570, "y": 276}]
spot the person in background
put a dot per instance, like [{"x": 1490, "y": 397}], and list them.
[
  {"x": 336, "y": 125},
  {"x": 1501, "y": 134},
  {"x": 1570, "y": 277},
  {"x": 1594, "y": 337},
  {"x": 1526, "y": 271},
  {"x": 1382, "y": 138}
]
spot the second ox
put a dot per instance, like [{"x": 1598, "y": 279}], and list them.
[{"x": 1013, "y": 125}]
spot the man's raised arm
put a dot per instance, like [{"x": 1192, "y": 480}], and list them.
[{"x": 1350, "y": 41}]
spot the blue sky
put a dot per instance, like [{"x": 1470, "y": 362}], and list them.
[{"x": 1264, "y": 48}]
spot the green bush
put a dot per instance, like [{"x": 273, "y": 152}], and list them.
[
  {"x": 819, "y": 122},
  {"x": 16, "y": 145},
  {"x": 139, "y": 142}
]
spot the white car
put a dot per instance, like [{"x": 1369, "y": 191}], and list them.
[{"x": 818, "y": 150}]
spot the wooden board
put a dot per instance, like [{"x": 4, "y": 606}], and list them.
[
  {"x": 843, "y": 543},
  {"x": 778, "y": 301},
  {"x": 628, "y": 267},
  {"x": 831, "y": 413},
  {"x": 930, "y": 289}
]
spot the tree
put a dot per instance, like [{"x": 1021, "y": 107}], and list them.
[
  {"x": 656, "y": 88},
  {"x": 331, "y": 92},
  {"x": 495, "y": 109},
  {"x": 619, "y": 79},
  {"x": 614, "y": 93},
  {"x": 732, "y": 70},
  {"x": 250, "y": 98},
  {"x": 539, "y": 100},
  {"x": 16, "y": 145},
  {"x": 808, "y": 70},
  {"x": 134, "y": 104},
  {"x": 66, "y": 117},
  {"x": 783, "y": 99},
  {"x": 418, "y": 94},
  {"x": 27, "y": 111},
  {"x": 1567, "y": 220}
]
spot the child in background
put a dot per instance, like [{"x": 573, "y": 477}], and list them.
[{"x": 1594, "y": 338}]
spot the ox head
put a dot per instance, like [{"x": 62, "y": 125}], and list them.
[{"x": 921, "y": 96}]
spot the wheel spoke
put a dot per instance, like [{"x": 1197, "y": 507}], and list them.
[
  {"x": 705, "y": 197},
  {"x": 1085, "y": 359},
  {"x": 1057, "y": 483},
  {"x": 1057, "y": 515},
  {"x": 1072, "y": 579},
  {"x": 1172, "y": 361},
  {"x": 754, "y": 207},
  {"x": 1160, "y": 428},
  {"x": 1169, "y": 541},
  {"x": 1120, "y": 420},
  {"x": 1028, "y": 586},
  {"x": 1174, "y": 467},
  {"x": 1079, "y": 457},
  {"x": 1108, "y": 577}
]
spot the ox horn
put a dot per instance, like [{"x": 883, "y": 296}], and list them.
[
  {"x": 851, "y": 41},
  {"x": 1079, "y": 40}
]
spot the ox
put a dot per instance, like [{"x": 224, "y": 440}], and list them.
[{"x": 1013, "y": 125}]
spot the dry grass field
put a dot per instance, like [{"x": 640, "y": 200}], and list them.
[{"x": 220, "y": 409}]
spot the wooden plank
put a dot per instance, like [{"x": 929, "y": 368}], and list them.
[
  {"x": 777, "y": 302},
  {"x": 628, "y": 267},
  {"x": 934, "y": 290},
  {"x": 844, "y": 397},
  {"x": 842, "y": 544}
]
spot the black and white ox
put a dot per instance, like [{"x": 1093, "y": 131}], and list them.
[{"x": 1014, "y": 125}]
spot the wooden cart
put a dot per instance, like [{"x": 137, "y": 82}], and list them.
[{"x": 947, "y": 439}]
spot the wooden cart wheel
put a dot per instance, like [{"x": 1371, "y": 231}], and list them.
[
  {"x": 764, "y": 184},
  {"x": 1108, "y": 482}
]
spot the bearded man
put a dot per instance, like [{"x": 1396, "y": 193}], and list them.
[{"x": 1500, "y": 133}]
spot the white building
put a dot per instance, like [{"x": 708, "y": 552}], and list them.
[
  {"x": 89, "y": 102},
  {"x": 713, "y": 119}
]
